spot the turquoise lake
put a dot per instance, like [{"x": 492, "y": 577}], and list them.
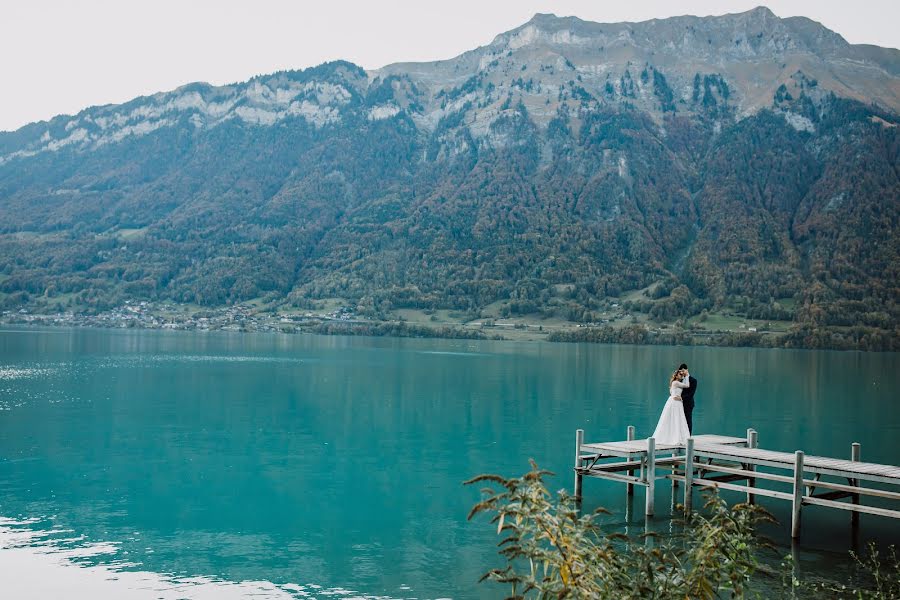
[{"x": 180, "y": 464}]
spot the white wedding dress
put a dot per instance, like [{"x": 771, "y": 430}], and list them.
[{"x": 672, "y": 427}]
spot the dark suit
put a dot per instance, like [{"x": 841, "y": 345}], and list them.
[{"x": 687, "y": 400}]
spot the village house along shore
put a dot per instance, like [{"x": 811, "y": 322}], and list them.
[
  {"x": 620, "y": 328},
  {"x": 149, "y": 315}
]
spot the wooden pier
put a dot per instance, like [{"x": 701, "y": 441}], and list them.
[{"x": 738, "y": 464}]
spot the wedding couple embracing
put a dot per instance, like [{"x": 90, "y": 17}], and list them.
[{"x": 676, "y": 422}]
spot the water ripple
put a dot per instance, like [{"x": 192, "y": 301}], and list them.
[
  {"x": 117, "y": 361},
  {"x": 52, "y": 563},
  {"x": 11, "y": 373}
]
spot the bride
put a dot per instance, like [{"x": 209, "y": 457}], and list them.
[{"x": 672, "y": 428}]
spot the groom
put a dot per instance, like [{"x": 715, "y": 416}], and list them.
[{"x": 687, "y": 399}]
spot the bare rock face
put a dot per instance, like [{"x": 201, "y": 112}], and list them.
[
  {"x": 731, "y": 65},
  {"x": 655, "y": 64}
]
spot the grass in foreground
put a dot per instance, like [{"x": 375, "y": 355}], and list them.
[{"x": 551, "y": 550}]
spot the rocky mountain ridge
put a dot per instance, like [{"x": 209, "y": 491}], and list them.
[{"x": 678, "y": 65}]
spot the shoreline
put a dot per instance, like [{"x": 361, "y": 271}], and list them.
[{"x": 238, "y": 320}]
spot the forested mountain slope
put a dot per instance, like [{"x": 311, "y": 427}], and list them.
[{"x": 742, "y": 163}]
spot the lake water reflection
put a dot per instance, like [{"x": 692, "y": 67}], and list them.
[{"x": 217, "y": 465}]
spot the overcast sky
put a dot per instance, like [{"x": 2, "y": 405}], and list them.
[{"x": 64, "y": 55}]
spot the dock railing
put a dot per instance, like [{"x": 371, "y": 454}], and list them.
[{"x": 738, "y": 464}]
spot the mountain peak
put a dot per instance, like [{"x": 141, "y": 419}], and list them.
[
  {"x": 761, "y": 11},
  {"x": 540, "y": 18}
]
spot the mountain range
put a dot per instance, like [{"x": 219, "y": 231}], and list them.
[{"x": 742, "y": 164}]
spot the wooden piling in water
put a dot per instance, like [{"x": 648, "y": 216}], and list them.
[
  {"x": 798, "y": 494},
  {"x": 629, "y": 435},
  {"x": 855, "y": 457},
  {"x": 674, "y": 473},
  {"x": 650, "y": 475},
  {"x": 689, "y": 476},
  {"x": 752, "y": 442},
  {"x": 579, "y": 440}
]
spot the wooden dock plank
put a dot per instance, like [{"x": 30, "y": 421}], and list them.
[
  {"x": 738, "y": 471},
  {"x": 614, "y": 477},
  {"x": 872, "y": 510},
  {"x": 828, "y": 485},
  {"x": 628, "y": 465},
  {"x": 626, "y": 447},
  {"x": 853, "y": 489},
  {"x": 832, "y": 466},
  {"x": 614, "y": 467},
  {"x": 712, "y": 438},
  {"x": 735, "y": 487}
]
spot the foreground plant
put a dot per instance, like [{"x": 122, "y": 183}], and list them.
[
  {"x": 877, "y": 578},
  {"x": 553, "y": 551}
]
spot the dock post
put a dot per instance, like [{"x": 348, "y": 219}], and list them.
[
  {"x": 855, "y": 457},
  {"x": 651, "y": 475},
  {"x": 629, "y": 435},
  {"x": 752, "y": 442},
  {"x": 579, "y": 440},
  {"x": 674, "y": 502},
  {"x": 674, "y": 473},
  {"x": 798, "y": 494},
  {"x": 689, "y": 476}
]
